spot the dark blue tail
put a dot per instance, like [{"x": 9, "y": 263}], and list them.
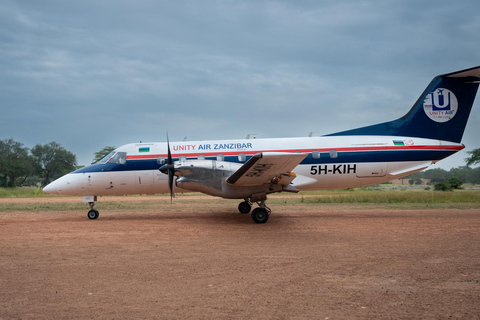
[{"x": 440, "y": 113}]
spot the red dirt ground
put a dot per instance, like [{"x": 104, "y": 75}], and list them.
[{"x": 205, "y": 261}]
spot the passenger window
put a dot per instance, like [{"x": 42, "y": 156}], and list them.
[
  {"x": 220, "y": 157},
  {"x": 333, "y": 154},
  {"x": 201, "y": 157},
  {"x": 182, "y": 158},
  {"x": 161, "y": 160},
  {"x": 316, "y": 154},
  {"x": 242, "y": 157}
]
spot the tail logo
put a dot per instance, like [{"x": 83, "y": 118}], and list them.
[{"x": 440, "y": 105}]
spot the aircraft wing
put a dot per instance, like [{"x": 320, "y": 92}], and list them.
[{"x": 267, "y": 167}]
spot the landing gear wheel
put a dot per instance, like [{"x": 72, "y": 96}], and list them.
[
  {"x": 92, "y": 214},
  {"x": 244, "y": 207},
  {"x": 260, "y": 215}
]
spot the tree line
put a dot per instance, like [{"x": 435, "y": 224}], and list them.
[
  {"x": 465, "y": 174},
  {"x": 39, "y": 165},
  {"x": 454, "y": 176}
]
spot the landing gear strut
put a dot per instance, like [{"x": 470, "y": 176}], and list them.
[{"x": 93, "y": 213}]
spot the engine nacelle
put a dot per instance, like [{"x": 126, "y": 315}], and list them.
[
  {"x": 207, "y": 176},
  {"x": 210, "y": 177}
]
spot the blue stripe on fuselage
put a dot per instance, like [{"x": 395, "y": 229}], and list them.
[{"x": 343, "y": 157}]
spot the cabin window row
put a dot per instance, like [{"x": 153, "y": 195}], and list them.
[
  {"x": 220, "y": 157},
  {"x": 332, "y": 153},
  {"x": 242, "y": 157}
]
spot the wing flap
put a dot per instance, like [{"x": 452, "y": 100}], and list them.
[{"x": 267, "y": 167}]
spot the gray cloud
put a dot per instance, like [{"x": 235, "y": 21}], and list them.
[{"x": 89, "y": 74}]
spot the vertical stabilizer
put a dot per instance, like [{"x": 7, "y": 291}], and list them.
[{"x": 441, "y": 112}]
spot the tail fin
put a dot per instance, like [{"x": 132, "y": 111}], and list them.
[{"x": 440, "y": 113}]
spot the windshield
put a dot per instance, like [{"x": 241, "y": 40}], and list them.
[
  {"x": 107, "y": 157},
  {"x": 119, "y": 157},
  {"x": 115, "y": 157}
]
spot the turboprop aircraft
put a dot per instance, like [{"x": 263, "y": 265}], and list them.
[{"x": 250, "y": 169}]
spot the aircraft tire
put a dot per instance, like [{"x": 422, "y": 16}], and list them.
[
  {"x": 260, "y": 215},
  {"x": 244, "y": 207},
  {"x": 92, "y": 214}
]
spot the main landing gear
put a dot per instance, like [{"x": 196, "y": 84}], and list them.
[
  {"x": 259, "y": 215},
  {"x": 93, "y": 213},
  {"x": 245, "y": 207}
]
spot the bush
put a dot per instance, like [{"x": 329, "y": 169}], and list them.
[
  {"x": 442, "y": 186},
  {"x": 415, "y": 181},
  {"x": 455, "y": 183}
]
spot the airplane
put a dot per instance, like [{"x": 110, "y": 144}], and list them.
[{"x": 251, "y": 169}]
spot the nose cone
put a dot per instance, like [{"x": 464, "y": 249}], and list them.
[
  {"x": 50, "y": 188},
  {"x": 166, "y": 168},
  {"x": 65, "y": 185}
]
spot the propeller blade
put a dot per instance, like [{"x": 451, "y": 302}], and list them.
[
  {"x": 169, "y": 160},
  {"x": 170, "y": 184},
  {"x": 170, "y": 170}
]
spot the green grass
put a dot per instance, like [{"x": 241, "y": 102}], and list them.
[
  {"x": 396, "y": 196},
  {"x": 402, "y": 199},
  {"x": 9, "y": 207},
  {"x": 23, "y": 192}
]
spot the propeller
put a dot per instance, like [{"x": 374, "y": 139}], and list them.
[{"x": 169, "y": 169}]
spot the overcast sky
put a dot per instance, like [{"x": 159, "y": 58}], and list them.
[{"x": 91, "y": 73}]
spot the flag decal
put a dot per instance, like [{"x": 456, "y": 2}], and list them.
[{"x": 398, "y": 143}]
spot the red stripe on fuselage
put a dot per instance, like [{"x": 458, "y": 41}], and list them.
[{"x": 344, "y": 149}]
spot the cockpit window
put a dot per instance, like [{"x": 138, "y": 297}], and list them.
[
  {"x": 115, "y": 157},
  {"x": 107, "y": 157},
  {"x": 119, "y": 157}
]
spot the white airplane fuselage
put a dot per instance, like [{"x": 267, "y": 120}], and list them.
[{"x": 332, "y": 162}]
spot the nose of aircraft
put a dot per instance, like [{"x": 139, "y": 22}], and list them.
[
  {"x": 65, "y": 185},
  {"x": 55, "y": 187},
  {"x": 50, "y": 188}
]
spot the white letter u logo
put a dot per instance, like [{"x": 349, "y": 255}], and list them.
[{"x": 440, "y": 102}]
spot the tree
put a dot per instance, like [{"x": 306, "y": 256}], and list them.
[
  {"x": 474, "y": 176},
  {"x": 52, "y": 161},
  {"x": 464, "y": 173},
  {"x": 415, "y": 181},
  {"x": 102, "y": 153},
  {"x": 442, "y": 186},
  {"x": 474, "y": 157},
  {"x": 455, "y": 183},
  {"x": 437, "y": 175},
  {"x": 15, "y": 162},
  {"x": 461, "y": 173}
]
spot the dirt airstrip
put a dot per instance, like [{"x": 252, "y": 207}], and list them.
[{"x": 201, "y": 259}]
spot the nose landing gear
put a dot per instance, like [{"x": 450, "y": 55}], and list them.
[{"x": 92, "y": 213}]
